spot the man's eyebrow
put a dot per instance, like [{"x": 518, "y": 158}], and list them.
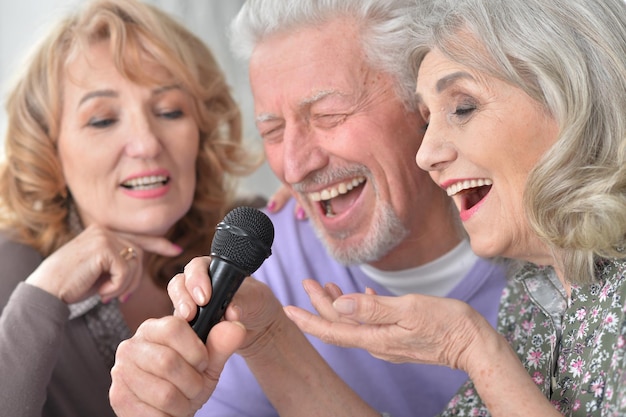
[
  {"x": 265, "y": 117},
  {"x": 317, "y": 97},
  {"x": 450, "y": 79},
  {"x": 304, "y": 103}
]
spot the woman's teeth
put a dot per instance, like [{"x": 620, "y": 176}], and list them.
[
  {"x": 466, "y": 185},
  {"x": 144, "y": 183},
  {"x": 332, "y": 192}
]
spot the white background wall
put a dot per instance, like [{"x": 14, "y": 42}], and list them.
[{"x": 23, "y": 22}]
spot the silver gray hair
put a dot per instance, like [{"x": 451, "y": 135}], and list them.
[
  {"x": 569, "y": 56},
  {"x": 384, "y": 27}
]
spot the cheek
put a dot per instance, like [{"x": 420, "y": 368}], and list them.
[
  {"x": 80, "y": 167},
  {"x": 187, "y": 159},
  {"x": 274, "y": 158},
  {"x": 184, "y": 146}
]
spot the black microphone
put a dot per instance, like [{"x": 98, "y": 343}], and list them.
[{"x": 242, "y": 241}]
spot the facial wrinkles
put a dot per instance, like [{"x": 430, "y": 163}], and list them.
[
  {"x": 384, "y": 233},
  {"x": 330, "y": 176}
]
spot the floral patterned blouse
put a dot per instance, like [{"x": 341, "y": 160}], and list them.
[{"x": 573, "y": 349}]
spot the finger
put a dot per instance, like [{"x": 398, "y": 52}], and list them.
[
  {"x": 223, "y": 340},
  {"x": 197, "y": 280},
  {"x": 184, "y": 304},
  {"x": 334, "y": 291},
  {"x": 146, "y": 391},
  {"x": 254, "y": 305},
  {"x": 370, "y": 291},
  {"x": 321, "y": 300},
  {"x": 299, "y": 210},
  {"x": 372, "y": 309},
  {"x": 152, "y": 244},
  {"x": 124, "y": 401},
  {"x": 279, "y": 199},
  {"x": 123, "y": 276},
  {"x": 176, "y": 334},
  {"x": 336, "y": 333},
  {"x": 164, "y": 364}
]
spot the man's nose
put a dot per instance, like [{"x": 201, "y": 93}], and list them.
[{"x": 304, "y": 153}]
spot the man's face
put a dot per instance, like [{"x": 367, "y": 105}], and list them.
[{"x": 335, "y": 132}]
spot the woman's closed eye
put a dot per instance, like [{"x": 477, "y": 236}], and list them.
[
  {"x": 464, "y": 110},
  {"x": 101, "y": 123},
  {"x": 171, "y": 114}
]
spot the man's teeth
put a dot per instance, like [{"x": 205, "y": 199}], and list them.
[
  {"x": 466, "y": 185},
  {"x": 333, "y": 192},
  {"x": 328, "y": 209},
  {"x": 143, "y": 183}
]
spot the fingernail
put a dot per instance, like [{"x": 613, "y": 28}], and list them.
[
  {"x": 179, "y": 248},
  {"x": 183, "y": 310},
  {"x": 300, "y": 214},
  {"x": 344, "y": 305},
  {"x": 125, "y": 297},
  {"x": 292, "y": 313},
  {"x": 288, "y": 312},
  {"x": 199, "y": 296},
  {"x": 271, "y": 205}
]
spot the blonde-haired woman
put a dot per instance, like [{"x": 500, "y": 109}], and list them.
[{"x": 122, "y": 153}]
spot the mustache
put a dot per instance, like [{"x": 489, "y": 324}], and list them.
[{"x": 329, "y": 176}]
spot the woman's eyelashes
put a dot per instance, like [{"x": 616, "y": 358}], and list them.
[
  {"x": 101, "y": 122},
  {"x": 464, "y": 107},
  {"x": 171, "y": 114},
  {"x": 464, "y": 110}
]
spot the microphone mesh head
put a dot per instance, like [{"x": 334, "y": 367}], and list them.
[{"x": 244, "y": 238}]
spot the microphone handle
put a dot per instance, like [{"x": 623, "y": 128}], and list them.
[{"x": 225, "y": 280}]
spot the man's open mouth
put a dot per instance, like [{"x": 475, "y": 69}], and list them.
[{"x": 338, "y": 198}]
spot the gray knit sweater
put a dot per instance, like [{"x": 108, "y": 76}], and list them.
[{"x": 49, "y": 365}]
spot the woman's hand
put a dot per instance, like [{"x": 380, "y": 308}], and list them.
[
  {"x": 411, "y": 328},
  {"x": 279, "y": 200},
  {"x": 98, "y": 261}
]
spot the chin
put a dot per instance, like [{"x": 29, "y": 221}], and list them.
[
  {"x": 148, "y": 227},
  {"x": 485, "y": 250}
]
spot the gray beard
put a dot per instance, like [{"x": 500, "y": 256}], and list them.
[{"x": 385, "y": 233}]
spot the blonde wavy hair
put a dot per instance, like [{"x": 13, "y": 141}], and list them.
[{"x": 35, "y": 205}]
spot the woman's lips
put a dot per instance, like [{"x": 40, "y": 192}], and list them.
[{"x": 471, "y": 193}]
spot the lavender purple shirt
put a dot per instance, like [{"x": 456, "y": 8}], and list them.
[{"x": 399, "y": 389}]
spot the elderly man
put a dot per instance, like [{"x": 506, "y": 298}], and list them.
[{"x": 334, "y": 105}]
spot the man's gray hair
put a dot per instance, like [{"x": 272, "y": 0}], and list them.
[{"x": 384, "y": 27}]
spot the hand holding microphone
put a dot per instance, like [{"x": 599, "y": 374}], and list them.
[{"x": 242, "y": 241}]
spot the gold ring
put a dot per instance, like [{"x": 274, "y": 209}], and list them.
[{"x": 128, "y": 253}]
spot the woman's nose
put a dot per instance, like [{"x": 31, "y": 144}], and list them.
[
  {"x": 143, "y": 139},
  {"x": 434, "y": 153}
]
